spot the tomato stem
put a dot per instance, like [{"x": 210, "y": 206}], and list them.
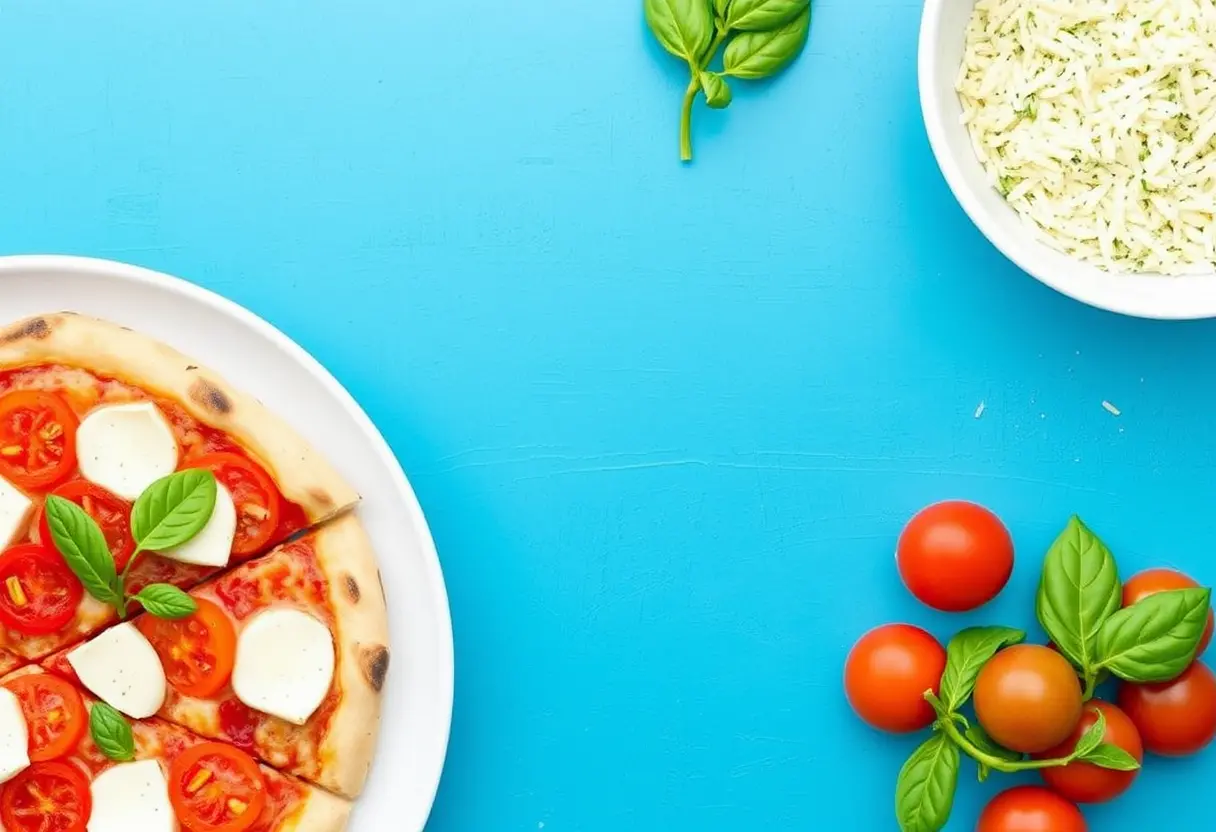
[
  {"x": 1091, "y": 682},
  {"x": 996, "y": 763}
]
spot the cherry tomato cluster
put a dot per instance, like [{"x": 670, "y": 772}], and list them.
[{"x": 1032, "y": 707}]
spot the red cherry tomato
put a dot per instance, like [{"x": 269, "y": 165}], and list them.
[
  {"x": 1028, "y": 698},
  {"x": 257, "y": 500},
  {"x": 1030, "y": 809},
  {"x": 887, "y": 674},
  {"x": 1174, "y": 718},
  {"x": 1085, "y": 782},
  {"x": 1152, "y": 581},
  {"x": 37, "y": 438},
  {"x": 111, "y": 513},
  {"x": 38, "y": 592},
  {"x": 46, "y": 797},
  {"x": 955, "y": 556}
]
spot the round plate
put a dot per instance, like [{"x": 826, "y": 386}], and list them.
[{"x": 258, "y": 358}]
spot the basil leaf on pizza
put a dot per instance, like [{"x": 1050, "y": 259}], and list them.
[
  {"x": 79, "y": 539},
  {"x": 173, "y": 509},
  {"x": 166, "y": 601},
  {"x": 111, "y": 733}
]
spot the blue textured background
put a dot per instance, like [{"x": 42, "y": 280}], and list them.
[{"x": 666, "y": 421}]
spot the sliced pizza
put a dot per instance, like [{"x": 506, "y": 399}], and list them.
[
  {"x": 95, "y": 414},
  {"x": 69, "y": 764},
  {"x": 283, "y": 656}
]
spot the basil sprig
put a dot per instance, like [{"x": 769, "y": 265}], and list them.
[
  {"x": 170, "y": 512},
  {"x": 111, "y": 732},
  {"x": 1156, "y": 638},
  {"x": 767, "y": 36}
]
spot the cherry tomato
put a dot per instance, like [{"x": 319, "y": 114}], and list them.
[
  {"x": 198, "y": 651},
  {"x": 1175, "y": 718},
  {"x": 258, "y": 506},
  {"x": 955, "y": 556},
  {"x": 46, "y": 797},
  {"x": 38, "y": 592},
  {"x": 216, "y": 788},
  {"x": 1030, "y": 809},
  {"x": 54, "y": 712},
  {"x": 37, "y": 438},
  {"x": 1028, "y": 698},
  {"x": 1152, "y": 581},
  {"x": 887, "y": 674},
  {"x": 1085, "y": 782},
  {"x": 111, "y": 513}
]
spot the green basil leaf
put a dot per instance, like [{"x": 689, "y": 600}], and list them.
[
  {"x": 1107, "y": 755},
  {"x": 754, "y": 55},
  {"x": 717, "y": 91},
  {"x": 1078, "y": 591},
  {"x": 924, "y": 793},
  {"x": 685, "y": 28},
  {"x": 1092, "y": 737},
  {"x": 966, "y": 655},
  {"x": 1155, "y": 639},
  {"x": 764, "y": 15},
  {"x": 173, "y": 509},
  {"x": 111, "y": 733},
  {"x": 79, "y": 539},
  {"x": 980, "y": 739},
  {"x": 166, "y": 601}
]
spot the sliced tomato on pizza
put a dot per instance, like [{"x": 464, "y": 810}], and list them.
[
  {"x": 70, "y": 764},
  {"x": 95, "y": 414},
  {"x": 284, "y": 657}
]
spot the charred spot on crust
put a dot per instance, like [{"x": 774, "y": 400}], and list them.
[
  {"x": 374, "y": 662},
  {"x": 352, "y": 589},
  {"x": 210, "y": 397},
  {"x": 321, "y": 498},
  {"x": 36, "y": 328},
  {"x": 190, "y": 367},
  {"x": 380, "y": 579}
]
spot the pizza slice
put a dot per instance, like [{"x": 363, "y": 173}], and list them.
[
  {"x": 69, "y": 763},
  {"x": 284, "y": 656},
  {"x": 94, "y": 413}
]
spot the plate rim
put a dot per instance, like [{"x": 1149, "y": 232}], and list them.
[{"x": 192, "y": 292}]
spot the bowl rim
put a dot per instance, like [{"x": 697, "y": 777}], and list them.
[{"x": 1185, "y": 297}]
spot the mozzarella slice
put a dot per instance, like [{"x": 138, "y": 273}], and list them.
[
  {"x": 213, "y": 545},
  {"x": 124, "y": 448},
  {"x": 132, "y": 796},
  {"x": 284, "y": 664},
  {"x": 14, "y": 512},
  {"x": 14, "y": 737},
  {"x": 122, "y": 668}
]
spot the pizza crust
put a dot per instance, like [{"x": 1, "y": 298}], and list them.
[
  {"x": 356, "y": 597},
  {"x": 322, "y": 812},
  {"x": 110, "y": 350}
]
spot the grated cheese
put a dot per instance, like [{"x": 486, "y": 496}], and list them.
[{"x": 1095, "y": 119}]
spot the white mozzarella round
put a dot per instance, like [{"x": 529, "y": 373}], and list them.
[
  {"x": 14, "y": 512},
  {"x": 212, "y": 546},
  {"x": 132, "y": 796},
  {"x": 124, "y": 448},
  {"x": 14, "y": 737},
  {"x": 122, "y": 668},
  {"x": 284, "y": 664}
]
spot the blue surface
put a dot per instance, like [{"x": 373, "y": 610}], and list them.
[{"x": 666, "y": 421}]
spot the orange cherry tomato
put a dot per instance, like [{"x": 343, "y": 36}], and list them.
[
  {"x": 1151, "y": 581},
  {"x": 37, "y": 438},
  {"x": 112, "y": 513},
  {"x": 198, "y": 651},
  {"x": 887, "y": 674},
  {"x": 38, "y": 592},
  {"x": 54, "y": 712},
  {"x": 1174, "y": 718},
  {"x": 1028, "y": 698},
  {"x": 258, "y": 505},
  {"x": 216, "y": 788},
  {"x": 1030, "y": 809},
  {"x": 955, "y": 556},
  {"x": 46, "y": 797},
  {"x": 1085, "y": 782}
]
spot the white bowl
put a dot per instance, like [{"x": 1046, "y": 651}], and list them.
[{"x": 942, "y": 34}]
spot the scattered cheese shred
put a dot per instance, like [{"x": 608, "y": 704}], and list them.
[
  {"x": 1111, "y": 409},
  {"x": 1095, "y": 119}
]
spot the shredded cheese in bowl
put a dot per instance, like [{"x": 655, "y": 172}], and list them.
[{"x": 1096, "y": 119}]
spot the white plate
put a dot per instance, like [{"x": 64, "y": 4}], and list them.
[{"x": 255, "y": 356}]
